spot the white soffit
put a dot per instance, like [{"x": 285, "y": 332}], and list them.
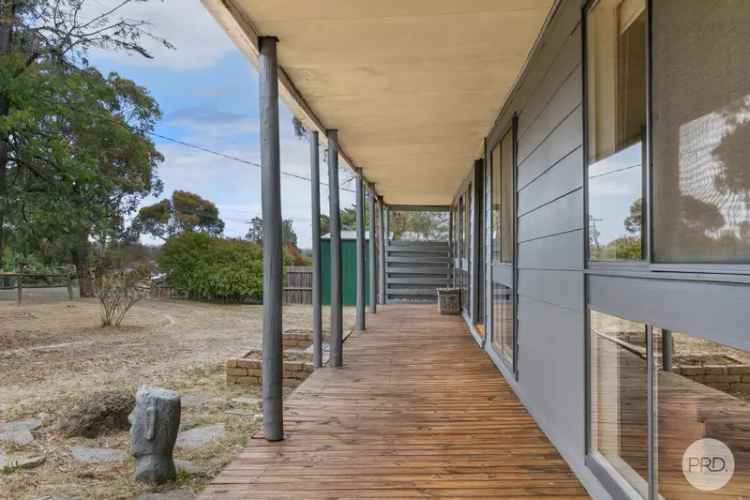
[{"x": 413, "y": 86}]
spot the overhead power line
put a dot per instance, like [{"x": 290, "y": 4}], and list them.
[
  {"x": 220, "y": 154},
  {"x": 237, "y": 158}
]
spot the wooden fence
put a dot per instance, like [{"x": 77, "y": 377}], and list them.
[
  {"x": 62, "y": 281},
  {"x": 298, "y": 285}
]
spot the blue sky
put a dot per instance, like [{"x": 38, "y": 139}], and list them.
[{"x": 208, "y": 94}]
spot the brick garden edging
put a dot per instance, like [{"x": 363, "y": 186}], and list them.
[
  {"x": 298, "y": 365},
  {"x": 247, "y": 370},
  {"x": 733, "y": 378}
]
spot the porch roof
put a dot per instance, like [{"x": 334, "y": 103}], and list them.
[{"x": 412, "y": 86}]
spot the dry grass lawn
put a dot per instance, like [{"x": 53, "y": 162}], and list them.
[{"x": 53, "y": 351}]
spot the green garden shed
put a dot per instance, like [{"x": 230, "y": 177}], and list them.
[{"x": 348, "y": 268}]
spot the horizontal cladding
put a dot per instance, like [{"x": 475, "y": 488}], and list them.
[
  {"x": 567, "y": 98},
  {"x": 556, "y": 252},
  {"x": 559, "y": 143},
  {"x": 551, "y": 350},
  {"x": 568, "y": 58},
  {"x": 562, "y": 178},
  {"x": 559, "y": 288},
  {"x": 562, "y": 215},
  {"x": 550, "y": 236}
]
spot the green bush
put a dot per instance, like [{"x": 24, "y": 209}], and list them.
[{"x": 207, "y": 267}]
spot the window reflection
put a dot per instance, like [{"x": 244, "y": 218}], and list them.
[
  {"x": 502, "y": 320},
  {"x": 616, "y": 205},
  {"x": 619, "y": 402},
  {"x": 502, "y": 199},
  {"x": 703, "y": 390},
  {"x": 616, "y": 113},
  {"x": 701, "y": 131}
]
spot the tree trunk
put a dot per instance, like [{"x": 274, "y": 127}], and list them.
[
  {"x": 7, "y": 16},
  {"x": 81, "y": 260}
]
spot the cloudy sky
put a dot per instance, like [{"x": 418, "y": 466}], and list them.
[{"x": 208, "y": 93}]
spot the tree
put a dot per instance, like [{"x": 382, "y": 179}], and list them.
[
  {"x": 255, "y": 232},
  {"x": 288, "y": 236},
  {"x": 41, "y": 40},
  {"x": 419, "y": 225},
  {"x": 325, "y": 224},
  {"x": 80, "y": 160},
  {"x": 348, "y": 219},
  {"x": 184, "y": 212},
  {"x": 634, "y": 222},
  {"x": 75, "y": 158}
]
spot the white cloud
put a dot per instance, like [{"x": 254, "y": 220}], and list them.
[
  {"x": 211, "y": 125},
  {"x": 186, "y": 24}
]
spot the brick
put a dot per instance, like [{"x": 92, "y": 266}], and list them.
[
  {"x": 689, "y": 371},
  {"x": 715, "y": 369},
  {"x": 739, "y": 370},
  {"x": 746, "y": 378},
  {"x": 249, "y": 363},
  {"x": 247, "y": 381},
  {"x": 294, "y": 365},
  {"x": 231, "y": 363},
  {"x": 742, "y": 387},
  {"x": 717, "y": 378},
  {"x": 720, "y": 386},
  {"x": 237, "y": 372}
]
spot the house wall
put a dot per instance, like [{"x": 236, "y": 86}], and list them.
[
  {"x": 553, "y": 283},
  {"x": 551, "y": 377},
  {"x": 550, "y": 240}
]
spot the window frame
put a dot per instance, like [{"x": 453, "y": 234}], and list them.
[
  {"x": 646, "y": 264},
  {"x": 495, "y": 140}
]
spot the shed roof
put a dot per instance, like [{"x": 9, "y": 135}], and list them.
[{"x": 346, "y": 235}]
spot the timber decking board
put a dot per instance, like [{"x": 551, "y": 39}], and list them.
[{"x": 418, "y": 411}]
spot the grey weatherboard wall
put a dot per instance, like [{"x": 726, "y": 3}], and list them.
[{"x": 550, "y": 239}]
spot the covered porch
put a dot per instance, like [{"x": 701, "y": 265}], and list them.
[{"x": 417, "y": 411}]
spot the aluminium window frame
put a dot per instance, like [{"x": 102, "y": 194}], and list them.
[
  {"x": 647, "y": 263},
  {"x": 496, "y": 139}
]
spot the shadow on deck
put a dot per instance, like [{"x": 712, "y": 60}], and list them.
[{"x": 418, "y": 411}]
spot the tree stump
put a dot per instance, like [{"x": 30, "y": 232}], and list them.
[{"x": 155, "y": 422}]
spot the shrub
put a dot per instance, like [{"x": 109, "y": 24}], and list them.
[
  {"x": 207, "y": 267},
  {"x": 118, "y": 292}
]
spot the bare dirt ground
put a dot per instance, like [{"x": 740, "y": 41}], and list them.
[{"x": 53, "y": 351}]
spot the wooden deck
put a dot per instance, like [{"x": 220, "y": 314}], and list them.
[{"x": 418, "y": 412}]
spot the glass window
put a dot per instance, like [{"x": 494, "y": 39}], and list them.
[
  {"x": 502, "y": 320},
  {"x": 703, "y": 393},
  {"x": 496, "y": 202},
  {"x": 619, "y": 398},
  {"x": 507, "y": 206},
  {"x": 701, "y": 131},
  {"x": 502, "y": 200},
  {"x": 616, "y": 108},
  {"x": 466, "y": 252}
]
